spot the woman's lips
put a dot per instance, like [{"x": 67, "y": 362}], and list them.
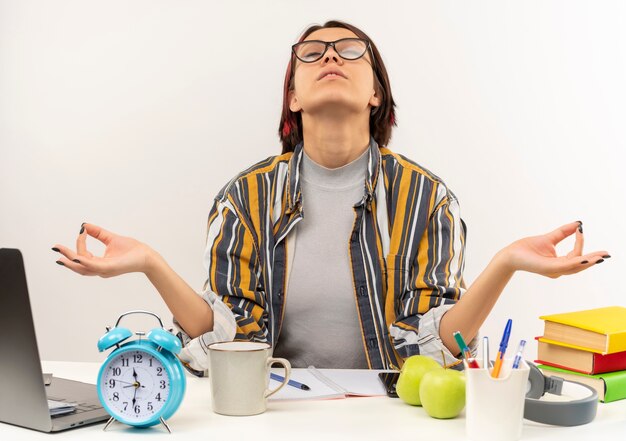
[{"x": 331, "y": 76}]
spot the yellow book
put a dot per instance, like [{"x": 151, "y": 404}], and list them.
[{"x": 600, "y": 330}]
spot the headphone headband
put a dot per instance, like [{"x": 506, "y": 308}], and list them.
[{"x": 581, "y": 409}]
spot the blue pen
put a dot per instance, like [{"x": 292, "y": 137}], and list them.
[
  {"x": 518, "y": 354},
  {"x": 293, "y": 383},
  {"x": 503, "y": 344}
]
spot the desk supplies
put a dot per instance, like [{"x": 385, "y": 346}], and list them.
[
  {"x": 327, "y": 384},
  {"x": 486, "y": 360},
  {"x": 555, "y": 354},
  {"x": 471, "y": 362},
  {"x": 142, "y": 382},
  {"x": 495, "y": 406},
  {"x": 601, "y": 330},
  {"x": 502, "y": 350},
  {"x": 292, "y": 383},
  {"x": 518, "y": 354}
]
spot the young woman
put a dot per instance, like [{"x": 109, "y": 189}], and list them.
[{"x": 339, "y": 252}]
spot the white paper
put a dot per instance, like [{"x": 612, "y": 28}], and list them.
[
  {"x": 357, "y": 382},
  {"x": 329, "y": 384},
  {"x": 60, "y": 407}
]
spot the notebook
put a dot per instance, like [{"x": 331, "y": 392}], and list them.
[
  {"x": 328, "y": 384},
  {"x": 28, "y": 398}
]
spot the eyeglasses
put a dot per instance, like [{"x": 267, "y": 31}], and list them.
[{"x": 311, "y": 51}]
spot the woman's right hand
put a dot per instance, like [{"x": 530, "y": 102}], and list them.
[{"x": 122, "y": 254}]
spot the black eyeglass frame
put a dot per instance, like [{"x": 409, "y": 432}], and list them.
[{"x": 332, "y": 44}]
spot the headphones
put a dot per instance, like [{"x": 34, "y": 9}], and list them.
[{"x": 580, "y": 409}]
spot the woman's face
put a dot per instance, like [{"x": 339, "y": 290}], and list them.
[{"x": 352, "y": 90}]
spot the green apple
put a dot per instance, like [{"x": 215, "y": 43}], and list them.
[
  {"x": 414, "y": 368},
  {"x": 442, "y": 392}
]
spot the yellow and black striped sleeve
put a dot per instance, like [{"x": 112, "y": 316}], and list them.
[
  {"x": 430, "y": 281},
  {"x": 232, "y": 263}
]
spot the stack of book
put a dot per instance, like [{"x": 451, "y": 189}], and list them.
[{"x": 588, "y": 347}]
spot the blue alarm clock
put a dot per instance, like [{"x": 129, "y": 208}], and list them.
[{"x": 142, "y": 382}]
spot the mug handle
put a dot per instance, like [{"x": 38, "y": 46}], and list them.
[{"x": 287, "y": 366}]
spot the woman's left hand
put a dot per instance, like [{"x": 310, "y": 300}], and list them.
[{"x": 537, "y": 254}]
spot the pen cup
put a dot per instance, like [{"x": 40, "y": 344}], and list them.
[{"x": 495, "y": 406}]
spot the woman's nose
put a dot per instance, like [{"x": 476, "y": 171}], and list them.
[{"x": 331, "y": 54}]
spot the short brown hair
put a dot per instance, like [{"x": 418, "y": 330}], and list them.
[{"x": 382, "y": 118}]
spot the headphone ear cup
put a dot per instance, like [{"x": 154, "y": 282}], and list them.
[{"x": 536, "y": 382}]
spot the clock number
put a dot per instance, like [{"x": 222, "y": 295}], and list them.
[
  {"x": 116, "y": 396},
  {"x": 137, "y": 409},
  {"x": 151, "y": 361},
  {"x": 162, "y": 384},
  {"x": 137, "y": 358},
  {"x": 150, "y": 405},
  {"x": 116, "y": 371},
  {"x": 159, "y": 371},
  {"x": 158, "y": 397},
  {"x": 125, "y": 403},
  {"x": 124, "y": 362},
  {"x": 112, "y": 383}
]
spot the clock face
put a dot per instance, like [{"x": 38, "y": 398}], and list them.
[{"x": 135, "y": 386}]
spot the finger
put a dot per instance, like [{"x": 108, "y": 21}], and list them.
[
  {"x": 99, "y": 233},
  {"x": 559, "y": 266},
  {"x": 562, "y": 232},
  {"x": 76, "y": 267},
  {"x": 89, "y": 264},
  {"x": 68, "y": 253},
  {"x": 580, "y": 241},
  {"x": 594, "y": 258},
  {"x": 81, "y": 243},
  {"x": 95, "y": 265},
  {"x": 581, "y": 263}
]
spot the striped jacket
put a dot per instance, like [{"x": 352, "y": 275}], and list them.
[{"x": 406, "y": 254}]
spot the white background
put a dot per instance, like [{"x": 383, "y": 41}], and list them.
[{"x": 133, "y": 114}]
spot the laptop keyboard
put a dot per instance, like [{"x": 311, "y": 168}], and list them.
[{"x": 79, "y": 407}]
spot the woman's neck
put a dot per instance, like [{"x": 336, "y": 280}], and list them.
[{"x": 335, "y": 141}]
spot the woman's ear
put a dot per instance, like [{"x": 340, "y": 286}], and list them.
[
  {"x": 294, "y": 105},
  {"x": 375, "y": 100}
]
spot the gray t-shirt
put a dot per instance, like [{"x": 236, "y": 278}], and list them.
[{"x": 321, "y": 324}]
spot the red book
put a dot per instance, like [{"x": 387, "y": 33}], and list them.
[{"x": 553, "y": 353}]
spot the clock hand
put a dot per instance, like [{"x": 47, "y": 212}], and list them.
[
  {"x": 135, "y": 385},
  {"x": 125, "y": 382}
]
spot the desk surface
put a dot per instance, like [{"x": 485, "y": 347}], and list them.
[{"x": 372, "y": 418}]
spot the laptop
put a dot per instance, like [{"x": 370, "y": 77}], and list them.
[{"x": 24, "y": 394}]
